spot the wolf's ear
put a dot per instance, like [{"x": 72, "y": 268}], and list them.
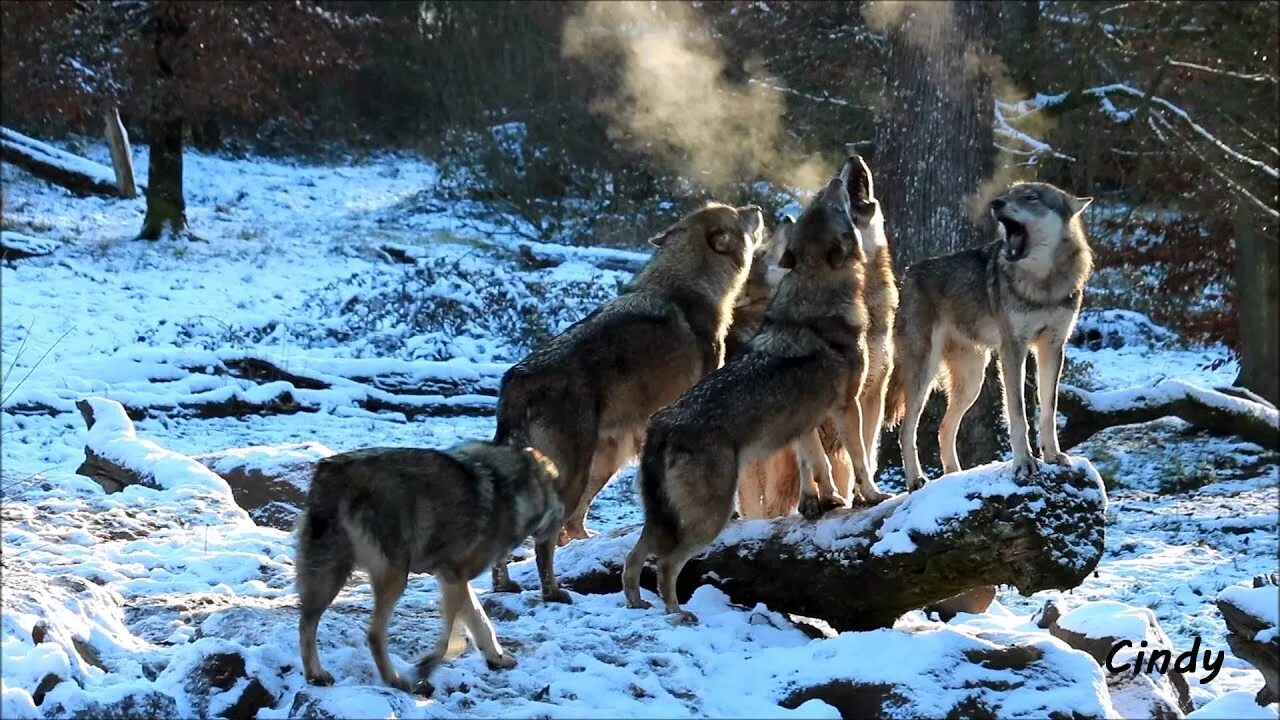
[
  {"x": 752, "y": 222},
  {"x": 778, "y": 244},
  {"x": 1078, "y": 204},
  {"x": 661, "y": 238}
]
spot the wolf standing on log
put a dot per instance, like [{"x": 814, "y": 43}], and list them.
[
  {"x": 806, "y": 365},
  {"x": 1021, "y": 292},
  {"x": 584, "y": 397}
]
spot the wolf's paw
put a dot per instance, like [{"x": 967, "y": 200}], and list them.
[
  {"x": 569, "y": 534},
  {"x": 401, "y": 683},
  {"x": 870, "y": 499},
  {"x": 321, "y": 678},
  {"x": 1058, "y": 458},
  {"x": 682, "y": 617},
  {"x": 505, "y": 661},
  {"x": 1024, "y": 467},
  {"x": 914, "y": 484},
  {"x": 559, "y": 595},
  {"x": 813, "y": 507},
  {"x": 423, "y": 688},
  {"x": 639, "y": 604},
  {"x": 506, "y": 586}
]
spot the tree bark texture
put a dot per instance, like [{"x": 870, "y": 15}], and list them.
[
  {"x": 850, "y": 567},
  {"x": 934, "y": 150},
  {"x": 166, "y": 207},
  {"x": 1257, "y": 272}
]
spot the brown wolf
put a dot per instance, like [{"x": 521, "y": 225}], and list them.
[
  {"x": 773, "y": 488},
  {"x": 583, "y": 398},
  {"x": 1021, "y": 292},
  {"x": 393, "y": 511},
  {"x": 806, "y": 364}
]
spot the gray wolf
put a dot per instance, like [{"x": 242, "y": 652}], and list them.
[
  {"x": 1022, "y": 291},
  {"x": 584, "y": 397},
  {"x": 806, "y": 364},
  {"x": 393, "y": 511},
  {"x": 772, "y": 488}
]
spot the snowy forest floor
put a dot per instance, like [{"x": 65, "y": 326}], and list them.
[{"x": 291, "y": 264}]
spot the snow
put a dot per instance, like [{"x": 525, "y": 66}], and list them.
[
  {"x": 1237, "y": 705},
  {"x": 156, "y": 578},
  {"x": 1108, "y": 619}
]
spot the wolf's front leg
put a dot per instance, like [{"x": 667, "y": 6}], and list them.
[
  {"x": 1013, "y": 375},
  {"x": 502, "y": 581},
  {"x": 850, "y": 428},
  {"x": 819, "y": 495},
  {"x": 545, "y": 551},
  {"x": 1050, "y": 356}
]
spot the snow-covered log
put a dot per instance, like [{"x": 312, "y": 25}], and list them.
[
  {"x": 862, "y": 569},
  {"x": 1253, "y": 630},
  {"x": 116, "y": 457},
  {"x": 77, "y": 174},
  {"x": 16, "y": 245},
  {"x": 1089, "y": 412}
]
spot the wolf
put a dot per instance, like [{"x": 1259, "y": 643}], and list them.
[
  {"x": 584, "y": 397},
  {"x": 1022, "y": 291},
  {"x": 773, "y": 487},
  {"x": 392, "y": 511},
  {"x": 805, "y": 364}
]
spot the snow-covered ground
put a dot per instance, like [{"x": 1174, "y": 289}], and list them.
[{"x": 291, "y": 266}]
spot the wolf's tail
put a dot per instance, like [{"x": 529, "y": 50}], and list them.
[
  {"x": 895, "y": 399},
  {"x": 659, "y": 512},
  {"x": 324, "y": 554}
]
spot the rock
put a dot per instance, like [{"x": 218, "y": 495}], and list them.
[
  {"x": 144, "y": 705},
  {"x": 1097, "y": 627},
  {"x": 975, "y": 601},
  {"x": 952, "y": 672},
  {"x": 218, "y": 681},
  {"x": 349, "y": 701},
  {"x": 47, "y": 683},
  {"x": 1048, "y": 614},
  {"x": 268, "y": 481},
  {"x": 1253, "y": 630}
]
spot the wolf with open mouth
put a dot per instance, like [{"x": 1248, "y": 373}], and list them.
[{"x": 1021, "y": 292}]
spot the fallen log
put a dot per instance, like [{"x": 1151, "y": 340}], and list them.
[
  {"x": 79, "y": 175},
  {"x": 860, "y": 569},
  {"x": 1090, "y": 412}
]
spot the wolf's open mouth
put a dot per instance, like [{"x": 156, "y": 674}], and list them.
[{"x": 1015, "y": 243}]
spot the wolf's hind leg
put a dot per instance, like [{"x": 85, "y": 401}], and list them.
[
  {"x": 320, "y": 576},
  {"x": 388, "y": 584},
  {"x": 817, "y": 489},
  {"x": 1049, "y": 360},
  {"x": 966, "y": 368},
  {"x": 477, "y": 621}
]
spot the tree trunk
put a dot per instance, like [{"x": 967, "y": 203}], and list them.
[
  {"x": 166, "y": 208},
  {"x": 862, "y": 569},
  {"x": 1257, "y": 272},
  {"x": 934, "y": 152},
  {"x": 121, "y": 154}
]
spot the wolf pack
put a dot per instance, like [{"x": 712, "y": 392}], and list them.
[{"x": 746, "y": 371}]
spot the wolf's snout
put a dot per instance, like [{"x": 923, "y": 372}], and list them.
[{"x": 998, "y": 204}]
